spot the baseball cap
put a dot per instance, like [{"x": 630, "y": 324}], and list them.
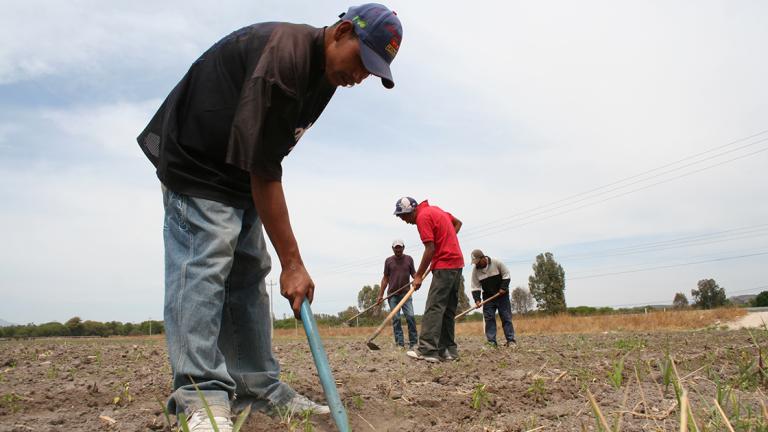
[
  {"x": 398, "y": 242},
  {"x": 477, "y": 255},
  {"x": 380, "y": 34},
  {"x": 405, "y": 205}
]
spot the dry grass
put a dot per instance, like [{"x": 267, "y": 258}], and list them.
[{"x": 652, "y": 321}]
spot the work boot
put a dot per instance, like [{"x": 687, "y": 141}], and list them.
[
  {"x": 199, "y": 421},
  {"x": 511, "y": 344}
]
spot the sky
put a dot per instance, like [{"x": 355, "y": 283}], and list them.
[{"x": 630, "y": 139}]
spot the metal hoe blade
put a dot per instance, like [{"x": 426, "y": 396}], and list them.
[{"x": 372, "y": 345}]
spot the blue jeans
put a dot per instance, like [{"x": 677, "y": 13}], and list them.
[
  {"x": 505, "y": 313},
  {"x": 217, "y": 317},
  {"x": 397, "y": 326}
]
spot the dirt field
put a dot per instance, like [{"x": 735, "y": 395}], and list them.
[{"x": 116, "y": 383}]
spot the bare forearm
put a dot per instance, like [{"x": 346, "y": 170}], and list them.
[
  {"x": 456, "y": 225},
  {"x": 384, "y": 284},
  {"x": 269, "y": 200},
  {"x": 426, "y": 258}
]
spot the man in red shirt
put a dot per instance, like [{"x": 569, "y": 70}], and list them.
[{"x": 437, "y": 229}]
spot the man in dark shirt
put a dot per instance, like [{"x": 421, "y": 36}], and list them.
[
  {"x": 398, "y": 270},
  {"x": 217, "y": 142}
]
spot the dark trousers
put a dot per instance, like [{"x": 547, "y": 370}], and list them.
[
  {"x": 505, "y": 313},
  {"x": 438, "y": 324}
]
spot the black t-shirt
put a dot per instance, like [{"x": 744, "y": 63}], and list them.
[{"x": 239, "y": 110}]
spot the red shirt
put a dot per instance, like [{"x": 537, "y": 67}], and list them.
[{"x": 436, "y": 225}]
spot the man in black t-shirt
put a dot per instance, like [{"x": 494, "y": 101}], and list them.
[
  {"x": 217, "y": 142},
  {"x": 398, "y": 270}
]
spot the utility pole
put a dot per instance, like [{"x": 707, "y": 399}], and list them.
[
  {"x": 271, "y": 309},
  {"x": 150, "y": 326}
]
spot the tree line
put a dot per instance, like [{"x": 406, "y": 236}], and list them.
[
  {"x": 546, "y": 288},
  {"x": 77, "y": 327}
]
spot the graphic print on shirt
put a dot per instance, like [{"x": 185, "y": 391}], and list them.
[{"x": 297, "y": 134}]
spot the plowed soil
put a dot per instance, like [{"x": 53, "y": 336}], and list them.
[{"x": 116, "y": 384}]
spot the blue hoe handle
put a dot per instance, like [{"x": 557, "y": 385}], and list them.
[{"x": 323, "y": 369}]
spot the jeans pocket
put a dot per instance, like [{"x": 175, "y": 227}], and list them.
[{"x": 175, "y": 210}]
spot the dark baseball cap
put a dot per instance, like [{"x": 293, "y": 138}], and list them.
[
  {"x": 405, "y": 205},
  {"x": 380, "y": 34}
]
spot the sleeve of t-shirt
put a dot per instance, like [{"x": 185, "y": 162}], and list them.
[
  {"x": 425, "y": 225},
  {"x": 386, "y": 267},
  {"x": 411, "y": 269},
  {"x": 262, "y": 131}
]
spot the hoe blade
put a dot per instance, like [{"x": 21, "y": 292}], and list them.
[{"x": 372, "y": 346}]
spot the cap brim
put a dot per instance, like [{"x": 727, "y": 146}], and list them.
[{"x": 376, "y": 65}]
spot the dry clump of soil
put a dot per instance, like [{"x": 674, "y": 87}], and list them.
[{"x": 117, "y": 383}]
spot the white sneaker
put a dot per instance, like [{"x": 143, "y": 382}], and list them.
[
  {"x": 415, "y": 355},
  {"x": 199, "y": 421},
  {"x": 300, "y": 404}
]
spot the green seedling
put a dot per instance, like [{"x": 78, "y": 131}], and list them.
[
  {"x": 166, "y": 414},
  {"x": 480, "y": 397},
  {"x": 288, "y": 418},
  {"x": 630, "y": 344},
  {"x": 616, "y": 375},
  {"x": 305, "y": 424},
  {"x": 747, "y": 377},
  {"x": 124, "y": 396},
  {"x": 11, "y": 401},
  {"x": 530, "y": 423},
  {"x": 666, "y": 372},
  {"x": 537, "y": 389},
  {"x": 52, "y": 372},
  {"x": 357, "y": 401}
]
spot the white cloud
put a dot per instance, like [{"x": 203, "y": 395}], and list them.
[{"x": 108, "y": 128}]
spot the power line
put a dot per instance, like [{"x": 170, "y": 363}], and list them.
[
  {"x": 545, "y": 217},
  {"x": 503, "y": 224},
  {"x": 685, "y": 241},
  {"x": 481, "y": 226},
  {"x": 669, "y": 266}
]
